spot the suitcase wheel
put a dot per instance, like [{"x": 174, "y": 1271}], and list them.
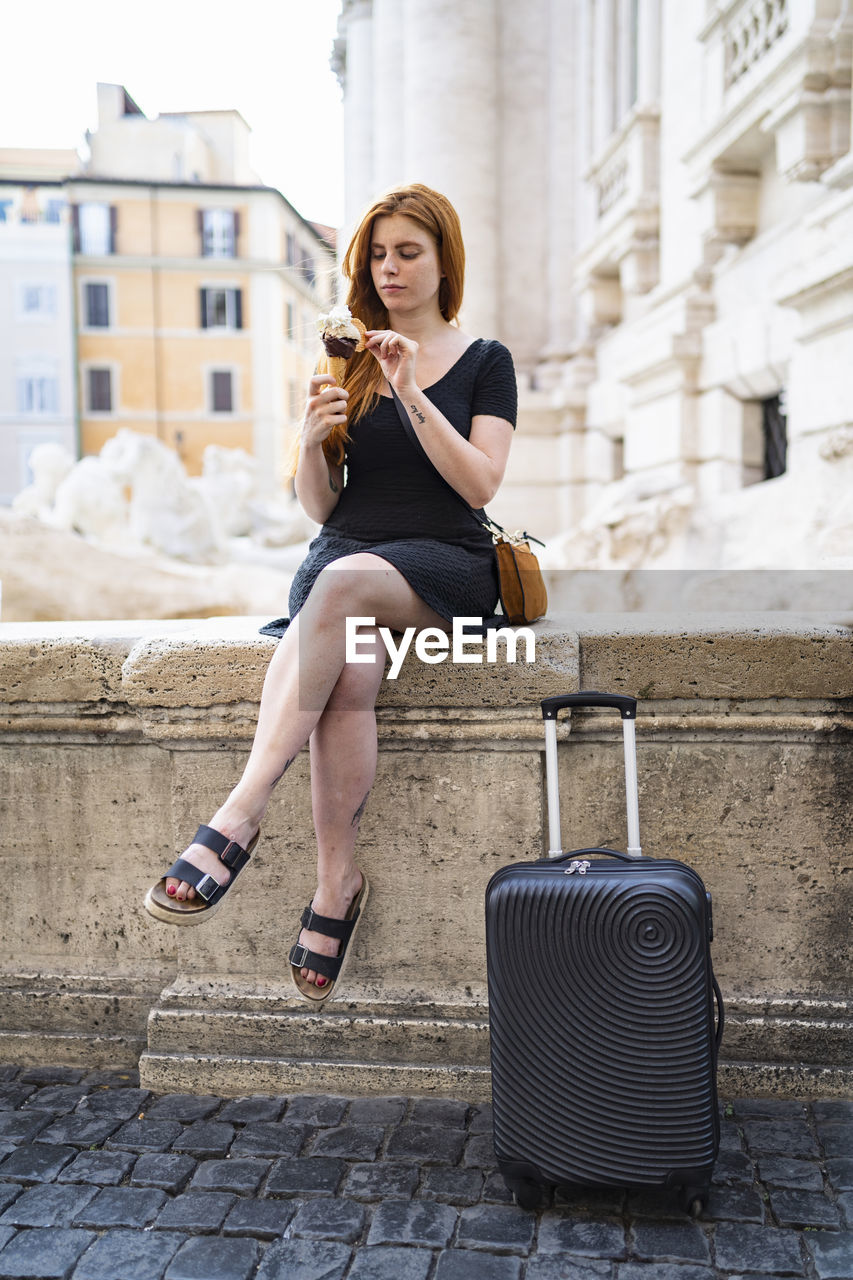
[
  {"x": 694, "y": 1200},
  {"x": 527, "y": 1193}
]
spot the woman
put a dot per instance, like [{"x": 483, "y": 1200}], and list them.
[{"x": 397, "y": 545}]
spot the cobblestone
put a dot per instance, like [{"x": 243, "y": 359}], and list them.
[
  {"x": 181, "y": 1187},
  {"x": 129, "y": 1255}
]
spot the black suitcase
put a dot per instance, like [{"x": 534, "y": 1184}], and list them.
[{"x": 601, "y": 1009}]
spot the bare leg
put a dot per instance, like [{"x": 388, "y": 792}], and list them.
[
  {"x": 304, "y": 671},
  {"x": 343, "y": 766}
]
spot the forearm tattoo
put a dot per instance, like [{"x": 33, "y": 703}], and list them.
[
  {"x": 417, "y": 413},
  {"x": 287, "y": 765},
  {"x": 357, "y": 816}
]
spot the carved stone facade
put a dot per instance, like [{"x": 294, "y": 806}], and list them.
[{"x": 657, "y": 200}]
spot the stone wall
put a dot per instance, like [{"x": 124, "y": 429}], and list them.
[{"x": 118, "y": 738}]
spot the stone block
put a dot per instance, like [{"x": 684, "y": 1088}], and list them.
[
  {"x": 137, "y": 1254},
  {"x": 742, "y": 1246},
  {"x": 35, "y": 1162},
  {"x": 48, "y": 1253},
  {"x": 146, "y": 1135},
  {"x": 464, "y": 1264},
  {"x": 546, "y": 1268},
  {"x": 305, "y": 1260},
  {"x": 121, "y": 1207},
  {"x": 101, "y": 1168},
  {"x": 459, "y": 1187},
  {"x": 157, "y": 1169},
  {"x": 308, "y": 1175},
  {"x": 241, "y": 1176},
  {"x": 669, "y": 1242},
  {"x": 323, "y": 1219},
  {"x": 269, "y": 1139},
  {"x": 795, "y": 1208},
  {"x": 381, "y": 1181},
  {"x": 350, "y": 1142},
  {"x": 831, "y": 1251},
  {"x": 376, "y": 1110},
  {"x": 80, "y": 1130},
  {"x": 205, "y": 1259},
  {"x": 586, "y": 1239},
  {"x": 387, "y": 1262},
  {"x": 253, "y": 1110},
  {"x": 499, "y": 1229},
  {"x": 426, "y": 1144},
  {"x": 205, "y": 1138},
  {"x": 261, "y": 1219},
  {"x": 48, "y": 1206},
  {"x": 199, "y": 1212},
  {"x": 417, "y": 1223}
]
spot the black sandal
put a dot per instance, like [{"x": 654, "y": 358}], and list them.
[
  {"x": 331, "y": 967},
  {"x": 209, "y": 892}
]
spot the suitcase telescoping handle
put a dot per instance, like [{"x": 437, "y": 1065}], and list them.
[{"x": 627, "y": 708}]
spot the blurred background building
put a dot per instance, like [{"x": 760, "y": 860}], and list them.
[
  {"x": 160, "y": 286},
  {"x": 657, "y": 202}
]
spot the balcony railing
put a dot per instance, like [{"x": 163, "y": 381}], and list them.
[{"x": 753, "y": 30}]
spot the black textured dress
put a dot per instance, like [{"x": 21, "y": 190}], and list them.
[{"x": 395, "y": 505}]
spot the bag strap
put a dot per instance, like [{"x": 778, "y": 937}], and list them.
[{"x": 485, "y": 521}]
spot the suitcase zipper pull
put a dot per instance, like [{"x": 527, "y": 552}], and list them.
[{"x": 581, "y": 865}]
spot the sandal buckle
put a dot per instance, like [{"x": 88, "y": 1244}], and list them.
[
  {"x": 230, "y": 853},
  {"x": 299, "y": 955},
  {"x": 207, "y": 887}
]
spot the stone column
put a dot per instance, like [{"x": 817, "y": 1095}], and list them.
[
  {"x": 389, "y": 120},
  {"x": 357, "y": 79},
  {"x": 565, "y": 161},
  {"x": 450, "y": 101},
  {"x": 648, "y": 53},
  {"x": 525, "y": 167},
  {"x": 604, "y": 71}
]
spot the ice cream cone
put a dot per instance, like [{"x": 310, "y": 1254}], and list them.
[{"x": 337, "y": 368}]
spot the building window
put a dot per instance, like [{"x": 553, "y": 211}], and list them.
[
  {"x": 290, "y": 248},
  {"x": 774, "y": 427},
  {"x": 290, "y": 320},
  {"x": 37, "y": 301},
  {"x": 99, "y": 384},
  {"x": 221, "y": 308},
  {"x": 222, "y": 391},
  {"x": 94, "y": 229},
  {"x": 219, "y": 231},
  {"x": 38, "y": 393},
  {"x": 97, "y": 305},
  {"x": 306, "y": 266}
]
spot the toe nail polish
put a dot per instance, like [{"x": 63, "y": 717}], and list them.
[
  {"x": 171, "y": 890},
  {"x": 321, "y": 982}
]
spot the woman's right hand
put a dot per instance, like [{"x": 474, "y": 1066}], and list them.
[{"x": 326, "y": 408}]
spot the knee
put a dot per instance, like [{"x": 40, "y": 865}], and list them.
[
  {"x": 349, "y": 585},
  {"x": 358, "y": 683}
]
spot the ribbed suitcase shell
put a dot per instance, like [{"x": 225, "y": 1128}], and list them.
[{"x": 602, "y": 1022}]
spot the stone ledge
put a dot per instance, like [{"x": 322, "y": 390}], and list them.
[{"x": 114, "y": 753}]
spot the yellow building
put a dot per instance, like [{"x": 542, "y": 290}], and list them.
[{"x": 195, "y": 294}]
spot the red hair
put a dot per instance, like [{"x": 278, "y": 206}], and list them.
[{"x": 439, "y": 219}]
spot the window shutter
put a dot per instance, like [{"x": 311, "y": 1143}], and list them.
[
  {"x": 202, "y": 293},
  {"x": 113, "y": 227},
  {"x": 199, "y": 219},
  {"x": 236, "y": 232},
  {"x": 238, "y": 308},
  {"x": 75, "y": 228}
]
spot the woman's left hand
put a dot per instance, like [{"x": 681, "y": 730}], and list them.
[{"x": 396, "y": 355}]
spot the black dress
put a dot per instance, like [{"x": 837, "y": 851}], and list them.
[{"x": 395, "y": 505}]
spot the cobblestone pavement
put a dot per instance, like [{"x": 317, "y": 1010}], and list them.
[{"x": 102, "y": 1180}]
